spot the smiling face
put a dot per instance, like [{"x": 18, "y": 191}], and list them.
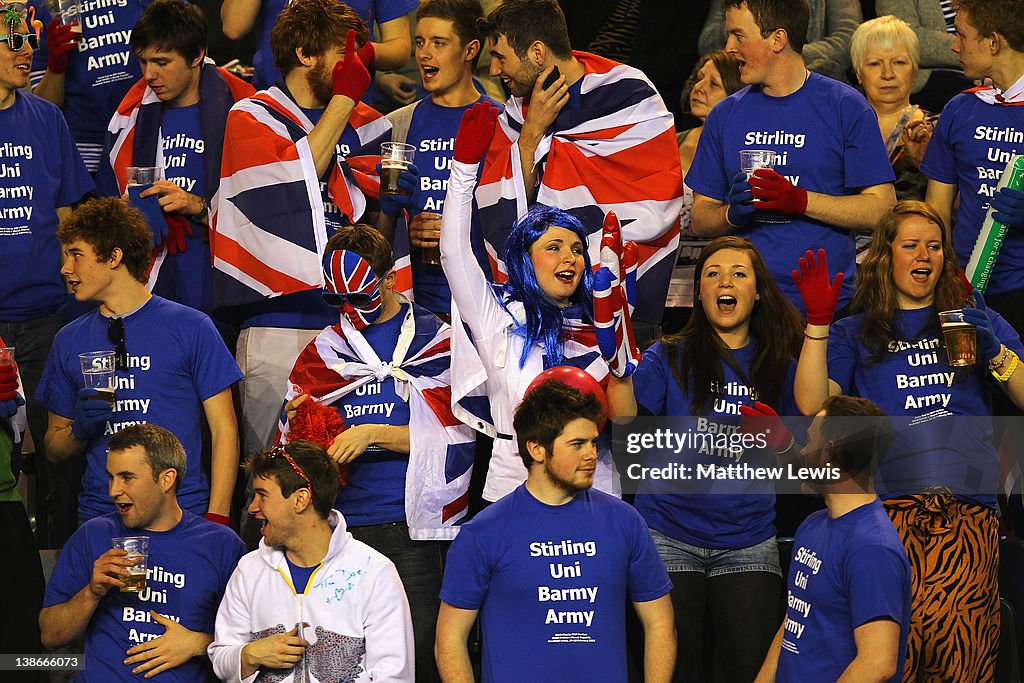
[
  {"x": 972, "y": 49},
  {"x": 753, "y": 52},
  {"x": 887, "y": 76},
  {"x": 90, "y": 279},
  {"x": 443, "y": 61},
  {"x": 728, "y": 290},
  {"x": 708, "y": 91},
  {"x": 141, "y": 500},
  {"x": 572, "y": 461},
  {"x": 15, "y": 66},
  {"x": 557, "y": 258},
  {"x": 518, "y": 75},
  {"x": 917, "y": 261},
  {"x": 273, "y": 511},
  {"x": 174, "y": 80}
]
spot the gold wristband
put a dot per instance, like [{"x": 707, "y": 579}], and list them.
[{"x": 1005, "y": 377}]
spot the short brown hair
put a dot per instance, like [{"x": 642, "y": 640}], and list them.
[
  {"x": 314, "y": 26},
  {"x": 860, "y": 432},
  {"x": 545, "y": 411},
  {"x": 366, "y": 241},
  {"x": 314, "y": 463},
  {"x": 792, "y": 16},
  {"x": 163, "y": 450},
  {"x": 524, "y": 21},
  {"x": 996, "y": 16},
  {"x": 465, "y": 16},
  {"x": 110, "y": 223}
]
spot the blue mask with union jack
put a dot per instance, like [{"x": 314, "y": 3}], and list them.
[{"x": 352, "y": 288}]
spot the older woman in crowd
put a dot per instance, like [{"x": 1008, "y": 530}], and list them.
[{"x": 885, "y": 54}]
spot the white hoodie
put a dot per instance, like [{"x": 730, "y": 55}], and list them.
[{"x": 354, "y": 615}]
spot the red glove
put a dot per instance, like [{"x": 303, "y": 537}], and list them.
[
  {"x": 61, "y": 41},
  {"x": 219, "y": 519},
  {"x": 475, "y": 133},
  {"x": 177, "y": 226},
  {"x": 820, "y": 297},
  {"x": 762, "y": 419},
  {"x": 8, "y": 383},
  {"x": 367, "y": 54},
  {"x": 776, "y": 194},
  {"x": 351, "y": 78}
]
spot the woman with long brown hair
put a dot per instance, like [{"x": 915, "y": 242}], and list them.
[
  {"x": 737, "y": 350},
  {"x": 939, "y": 479}
]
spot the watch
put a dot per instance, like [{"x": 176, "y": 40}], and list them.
[{"x": 204, "y": 209}]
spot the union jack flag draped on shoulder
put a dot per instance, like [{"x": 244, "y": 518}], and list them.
[
  {"x": 340, "y": 360},
  {"x": 268, "y": 230},
  {"x": 612, "y": 147}
]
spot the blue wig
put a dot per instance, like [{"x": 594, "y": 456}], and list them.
[{"x": 544, "y": 319}]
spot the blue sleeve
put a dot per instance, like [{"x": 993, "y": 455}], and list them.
[
  {"x": 650, "y": 381},
  {"x": 787, "y": 399},
  {"x": 72, "y": 572},
  {"x": 648, "y": 578},
  {"x": 865, "y": 162},
  {"x": 467, "y": 571},
  {"x": 213, "y": 367},
  {"x": 878, "y": 579},
  {"x": 708, "y": 175},
  {"x": 57, "y": 389},
  {"x": 843, "y": 356},
  {"x": 939, "y": 161},
  {"x": 386, "y": 10},
  {"x": 75, "y": 181}
]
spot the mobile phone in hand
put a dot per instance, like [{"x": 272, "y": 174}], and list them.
[{"x": 552, "y": 77}]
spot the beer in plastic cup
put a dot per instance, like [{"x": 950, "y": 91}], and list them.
[
  {"x": 753, "y": 159},
  {"x": 98, "y": 372},
  {"x": 137, "y": 548},
  {"x": 143, "y": 175},
  {"x": 394, "y": 158},
  {"x": 961, "y": 338}
]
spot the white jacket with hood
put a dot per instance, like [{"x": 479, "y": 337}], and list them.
[{"x": 354, "y": 615}]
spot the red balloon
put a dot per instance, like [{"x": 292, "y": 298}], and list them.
[{"x": 575, "y": 378}]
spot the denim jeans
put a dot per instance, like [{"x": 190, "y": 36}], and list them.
[
  {"x": 58, "y": 483},
  {"x": 420, "y": 565},
  {"x": 683, "y": 557}
]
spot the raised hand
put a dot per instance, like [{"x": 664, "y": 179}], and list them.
[
  {"x": 761, "y": 418},
  {"x": 475, "y": 133},
  {"x": 108, "y": 571},
  {"x": 776, "y": 194},
  {"x": 61, "y": 42},
  {"x": 351, "y": 79},
  {"x": 612, "y": 302},
  {"x": 741, "y": 207},
  {"x": 819, "y": 295}
]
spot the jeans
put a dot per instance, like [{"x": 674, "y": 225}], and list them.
[
  {"x": 58, "y": 483},
  {"x": 683, "y": 557},
  {"x": 420, "y": 565}
]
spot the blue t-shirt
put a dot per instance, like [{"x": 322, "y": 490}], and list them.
[
  {"x": 307, "y": 310},
  {"x": 933, "y": 448},
  {"x": 375, "y": 493},
  {"x": 176, "y": 360},
  {"x": 370, "y": 11},
  {"x": 100, "y": 73},
  {"x": 746, "y": 515},
  {"x": 969, "y": 148},
  {"x": 40, "y": 170},
  {"x": 300, "y": 575},
  {"x": 845, "y": 572},
  {"x": 551, "y": 583},
  {"x": 825, "y": 137},
  {"x": 432, "y": 132},
  {"x": 189, "y": 568}
]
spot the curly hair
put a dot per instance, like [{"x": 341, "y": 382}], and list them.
[
  {"x": 107, "y": 224},
  {"x": 313, "y": 26},
  {"x": 876, "y": 295}
]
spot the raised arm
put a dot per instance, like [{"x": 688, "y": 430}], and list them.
[
  {"x": 65, "y": 622},
  {"x": 470, "y": 288},
  {"x": 812, "y": 386},
  {"x": 238, "y": 17}
]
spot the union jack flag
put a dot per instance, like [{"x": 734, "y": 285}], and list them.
[
  {"x": 616, "y": 151},
  {"x": 339, "y": 360},
  {"x": 268, "y": 231}
]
